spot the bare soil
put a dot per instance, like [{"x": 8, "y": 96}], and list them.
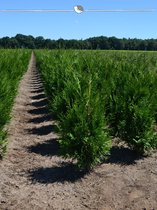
[{"x": 34, "y": 176}]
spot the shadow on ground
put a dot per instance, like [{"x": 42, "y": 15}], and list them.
[
  {"x": 39, "y": 111},
  {"x": 64, "y": 173},
  {"x": 44, "y": 118},
  {"x": 37, "y": 87},
  {"x": 38, "y": 90},
  {"x": 43, "y": 130},
  {"x": 47, "y": 148},
  {"x": 39, "y": 96},
  {"x": 40, "y": 108},
  {"x": 123, "y": 156},
  {"x": 41, "y": 103}
]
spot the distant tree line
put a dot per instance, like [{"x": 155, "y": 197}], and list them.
[{"x": 101, "y": 42}]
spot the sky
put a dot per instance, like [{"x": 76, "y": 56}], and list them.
[{"x": 71, "y": 25}]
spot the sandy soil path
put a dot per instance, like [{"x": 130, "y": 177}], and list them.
[{"x": 34, "y": 176}]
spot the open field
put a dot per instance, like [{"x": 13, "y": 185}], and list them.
[{"x": 95, "y": 107}]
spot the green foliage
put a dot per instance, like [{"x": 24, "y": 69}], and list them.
[
  {"x": 13, "y": 63},
  {"x": 70, "y": 85},
  {"x": 130, "y": 106},
  {"x": 96, "y": 92},
  {"x": 83, "y": 134},
  {"x": 94, "y": 43},
  {"x": 3, "y": 143}
]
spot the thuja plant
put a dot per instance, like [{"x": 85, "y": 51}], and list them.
[
  {"x": 89, "y": 90},
  {"x": 83, "y": 132},
  {"x": 130, "y": 106},
  {"x": 71, "y": 85}
]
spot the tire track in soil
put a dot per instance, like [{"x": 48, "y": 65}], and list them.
[{"x": 34, "y": 176}]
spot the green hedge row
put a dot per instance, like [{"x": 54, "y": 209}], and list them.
[
  {"x": 97, "y": 95},
  {"x": 13, "y": 64}
]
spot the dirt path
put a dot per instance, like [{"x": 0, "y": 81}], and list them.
[{"x": 34, "y": 176}]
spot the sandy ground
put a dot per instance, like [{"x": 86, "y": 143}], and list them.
[{"x": 34, "y": 176}]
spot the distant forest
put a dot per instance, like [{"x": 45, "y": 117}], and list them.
[{"x": 94, "y": 43}]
